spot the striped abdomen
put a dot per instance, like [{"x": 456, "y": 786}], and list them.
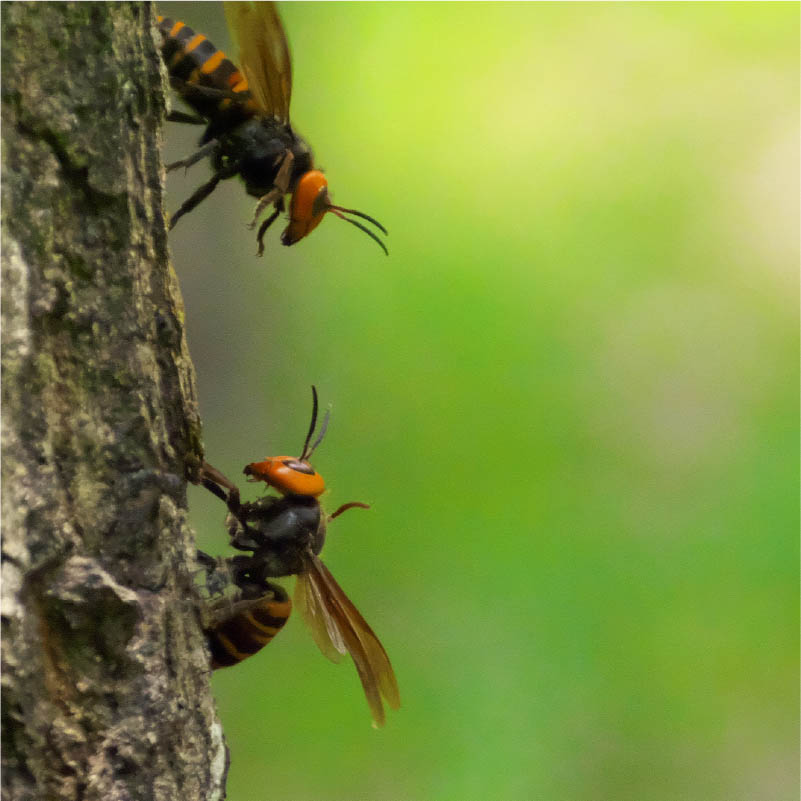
[
  {"x": 244, "y": 633},
  {"x": 194, "y": 60}
]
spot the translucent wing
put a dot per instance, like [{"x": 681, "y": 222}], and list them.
[
  {"x": 352, "y": 631},
  {"x": 323, "y": 628},
  {"x": 263, "y": 55}
]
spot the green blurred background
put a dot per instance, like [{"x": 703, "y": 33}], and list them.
[{"x": 570, "y": 394}]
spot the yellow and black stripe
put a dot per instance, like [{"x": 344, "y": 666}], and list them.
[
  {"x": 193, "y": 60},
  {"x": 245, "y": 633}
]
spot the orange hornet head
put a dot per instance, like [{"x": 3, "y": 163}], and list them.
[
  {"x": 310, "y": 202},
  {"x": 290, "y": 475}
]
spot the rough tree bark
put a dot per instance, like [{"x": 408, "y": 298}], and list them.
[{"x": 105, "y": 677}]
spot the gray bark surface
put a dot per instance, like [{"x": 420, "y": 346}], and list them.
[{"x": 105, "y": 675}]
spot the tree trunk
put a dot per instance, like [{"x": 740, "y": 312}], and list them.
[{"x": 105, "y": 675}]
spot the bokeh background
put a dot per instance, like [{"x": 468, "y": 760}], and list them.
[{"x": 570, "y": 394}]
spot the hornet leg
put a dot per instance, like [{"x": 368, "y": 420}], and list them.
[
  {"x": 182, "y": 116},
  {"x": 280, "y": 186},
  {"x": 203, "y": 192},
  {"x": 211, "y": 473},
  {"x": 186, "y": 163},
  {"x": 279, "y": 207}
]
